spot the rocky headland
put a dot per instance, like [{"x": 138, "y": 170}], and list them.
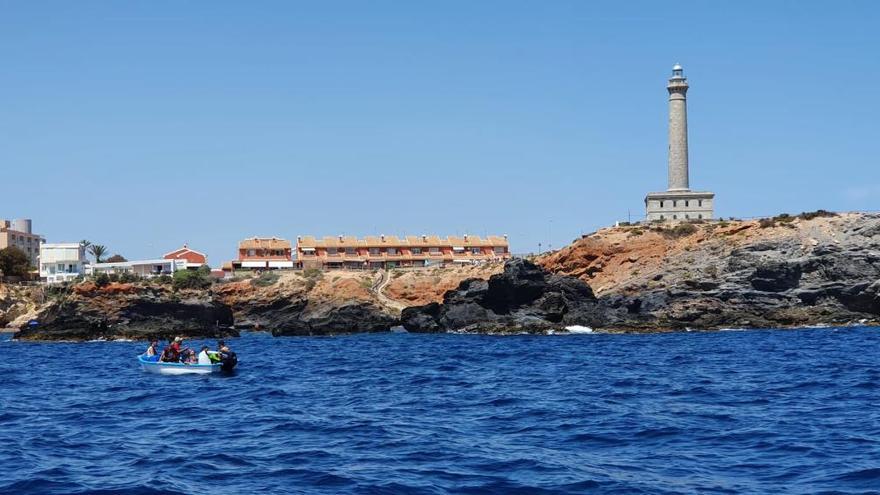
[
  {"x": 122, "y": 311},
  {"x": 804, "y": 270},
  {"x": 284, "y": 303}
]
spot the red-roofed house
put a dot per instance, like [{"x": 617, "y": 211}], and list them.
[{"x": 193, "y": 258}]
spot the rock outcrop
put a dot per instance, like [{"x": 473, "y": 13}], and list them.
[
  {"x": 313, "y": 304},
  {"x": 788, "y": 271},
  {"x": 816, "y": 269},
  {"x": 126, "y": 311},
  {"x": 523, "y": 298}
]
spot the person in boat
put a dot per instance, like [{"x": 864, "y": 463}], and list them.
[
  {"x": 153, "y": 349},
  {"x": 215, "y": 355},
  {"x": 204, "y": 358},
  {"x": 228, "y": 359},
  {"x": 171, "y": 354}
]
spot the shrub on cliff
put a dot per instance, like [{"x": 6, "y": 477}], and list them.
[
  {"x": 128, "y": 278},
  {"x": 191, "y": 279},
  {"x": 766, "y": 223},
  {"x": 312, "y": 276},
  {"x": 102, "y": 280},
  {"x": 680, "y": 230},
  {"x": 809, "y": 215},
  {"x": 265, "y": 279}
]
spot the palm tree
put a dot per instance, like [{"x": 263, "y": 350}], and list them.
[
  {"x": 84, "y": 244},
  {"x": 97, "y": 251}
]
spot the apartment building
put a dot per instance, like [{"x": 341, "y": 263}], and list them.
[
  {"x": 19, "y": 233},
  {"x": 391, "y": 251},
  {"x": 259, "y": 253}
]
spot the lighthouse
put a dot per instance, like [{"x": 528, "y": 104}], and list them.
[{"x": 678, "y": 202}]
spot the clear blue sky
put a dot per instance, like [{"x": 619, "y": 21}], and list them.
[{"x": 143, "y": 125}]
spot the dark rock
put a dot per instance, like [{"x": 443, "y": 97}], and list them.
[
  {"x": 138, "y": 318},
  {"x": 776, "y": 277},
  {"x": 297, "y": 316},
  {"x": 523, "y": 298},
  {"x": 425, "y": 318}
]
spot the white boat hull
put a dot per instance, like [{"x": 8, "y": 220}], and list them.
[{"x": 161, "y": 368}]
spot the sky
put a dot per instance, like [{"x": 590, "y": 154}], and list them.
[{"x": 146, "y": 125}]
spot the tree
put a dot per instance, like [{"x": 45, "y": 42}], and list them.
[
  {"x": 85, "y": 243},
  {"x": 98, "y": 251},
  {"x": 14, "y": 262},
  {"x": 116, "y": 258}
]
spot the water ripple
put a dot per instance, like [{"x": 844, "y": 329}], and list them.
[{"x": 730, "y": 412}]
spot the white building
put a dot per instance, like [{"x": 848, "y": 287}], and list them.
[
  {"x": 61, "y": 262},
  {"x": 143, "y": 268}
]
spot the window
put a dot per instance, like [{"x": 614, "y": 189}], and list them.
[
  {"x": 434, "y": 250},
  {"x": 686, "y": 203},
  {"x": 674, "y": 203},
  {"x": 662, "y": 217},
  {"x": 661, "y": 204},
  {"x": 350, "y": 251},
  {"x": 686, "y": 217},
  {"x": 699, "y": 202},
  {"x": 675, "y": 217},
  {"x": 374, "y": 251},
  {"x": 500, "y": 250},
  {"x": 392, "y": 250},
  {"x": 251, "y": 252},
  {"x": 476, "y": 250},
  {"x": 332, "y": 251},
  {"x": 416, "y": 250},
  {"x": 700, "y": 216}
]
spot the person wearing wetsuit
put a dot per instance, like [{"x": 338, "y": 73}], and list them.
[{"x": 228, "y": 359}]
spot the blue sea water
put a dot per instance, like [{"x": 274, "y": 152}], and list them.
[{"x": 794, "y": 411}]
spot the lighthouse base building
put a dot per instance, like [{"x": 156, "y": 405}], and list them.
[
  {"x": 679, "y": 205},
  {"x": 678, "y": 202}
]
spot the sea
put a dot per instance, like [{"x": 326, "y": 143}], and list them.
[{"x": 758, "y": 411}]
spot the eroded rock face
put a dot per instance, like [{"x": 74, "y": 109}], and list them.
[
  {"x": 523, "y": 298},
  {"x": 336, "y": 319},
  {"x": 805, "y": 272},
  {"x": 132, "y": 313},
  {"x": 336, "y": 303},
  {"x": 737, "y": 274}
]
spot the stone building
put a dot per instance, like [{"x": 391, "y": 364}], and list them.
[{"x": 678, "y": 202}]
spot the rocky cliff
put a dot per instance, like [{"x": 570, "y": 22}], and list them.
[
  {"x": 125, "y": 311},
  {"x": 522, "y": 298},
  {"x": 811, "y": 269},
  {"x": 285, "y": 303},
  {"x": 314, "y": 303}
]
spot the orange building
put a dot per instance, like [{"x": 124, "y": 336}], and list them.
[
  {"x": 263, "y": 253},
  {"x": 392, "y": 251}
]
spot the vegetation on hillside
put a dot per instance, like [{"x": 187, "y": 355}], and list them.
[
  {"x": 14, "y": 262},
  {"x": 192, "y": 279}
]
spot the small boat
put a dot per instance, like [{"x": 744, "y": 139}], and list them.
[{"x": 152, "y": 364}]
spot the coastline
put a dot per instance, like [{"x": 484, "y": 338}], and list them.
[{"x": 813, "y": 270}]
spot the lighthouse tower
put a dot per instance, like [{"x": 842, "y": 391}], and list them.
[{"x": 678, "y": 202}]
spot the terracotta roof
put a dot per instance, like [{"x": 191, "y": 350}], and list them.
[
  {"x": 393, "y": 240},
  {"x": 264, "y": 243},
  {"x": 183, "y": 249}
]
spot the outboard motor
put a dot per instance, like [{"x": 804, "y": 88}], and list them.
[{"x": 228, "y": 360}]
